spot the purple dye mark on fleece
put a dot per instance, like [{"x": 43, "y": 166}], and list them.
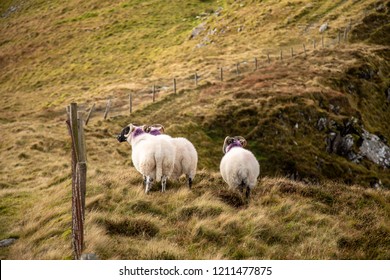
[
  {"x": 155, "y": 132},
  {"x": 236, "y": 143},
  {"x": 137, "y": 131}
]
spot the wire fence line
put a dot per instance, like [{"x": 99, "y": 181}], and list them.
[{"x": 130, "y": 100}]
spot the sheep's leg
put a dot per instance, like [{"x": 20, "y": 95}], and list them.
[
  {"x": 144, "y": 180},
  {"x": 189, "y": 182},
  {"x": 163, "y": 183},
  {"x": 248, "y": 192},
  {"x": 242, "y": 186},
  {"x": 148, "y": 184}
]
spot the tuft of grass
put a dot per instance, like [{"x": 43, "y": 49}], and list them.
[{"x": 132, "y": 227}]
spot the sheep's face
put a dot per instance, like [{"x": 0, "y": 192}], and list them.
[
  {"x": 132, "y": 130},
  {"x": 231, "y": 142},
  {"x": 155, "y": 129}
]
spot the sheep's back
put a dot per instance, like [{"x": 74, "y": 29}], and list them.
[
  {"x": 239, "y": 165},
  {"x": 186, "y": 159}
]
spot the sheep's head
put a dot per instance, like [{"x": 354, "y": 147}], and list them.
[
  {"x": 155, "y": 129},
  {"x": 130, "y": 130},
  {"x": 230, "y": 142}
]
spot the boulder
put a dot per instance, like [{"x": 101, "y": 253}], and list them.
[
  {"x": 374, "y": 149},
  {"x": 7, "y": 242},
  {"x": 323, "y": 27}
]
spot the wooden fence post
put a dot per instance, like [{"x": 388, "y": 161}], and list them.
[
  {"x": 174, "y": 85},
  {"x": 89, "y": 114},
  {"x": 131, "y": 102},
  {"x": 73, "y": 126},
  {"x": 81, "y": 164},
  {"x": 79, "y": 170},
  {"x": 107, "y": 109},
  {"x": 281, "y": 55},
  {"x": 292, "y": 52}
]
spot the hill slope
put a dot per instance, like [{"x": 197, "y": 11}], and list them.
[{"x": 52, "y": 54}]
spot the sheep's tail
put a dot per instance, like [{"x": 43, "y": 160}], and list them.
[{"x": 159, "y": 164}]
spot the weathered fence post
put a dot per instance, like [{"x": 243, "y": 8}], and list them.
[
  {"x": 304, "y": 49},
  {"x": 221, "y": 74},
  {"x": 131, "y": 102},
  {"x": 79, "y": 174},
  {"x": 154, "y": 93},
  {"x": 89, "y": 114},
  {"x": 107, "y": 109},
  {"x": 81, "y": 164},
  {"x": 292, "y": 52},
  {"x": 174, "y": 85},
  {"x": 345, "y": 33},
  {"x": 281, "y": 55}
]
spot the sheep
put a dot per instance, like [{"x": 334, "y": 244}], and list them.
[
  {"x": 186, "y": 159},
  {"x": 153, "y": 157},
  {"x": 239, "y": 167}
]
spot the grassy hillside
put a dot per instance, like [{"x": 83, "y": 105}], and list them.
[{"x": 309, "y": 204}]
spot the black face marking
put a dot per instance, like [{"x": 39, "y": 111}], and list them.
[{"x": 121, "y": 137}]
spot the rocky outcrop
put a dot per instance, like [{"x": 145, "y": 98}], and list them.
[
  {"x": 341, "y": 142},
  {"x": 374, "y": 149}
]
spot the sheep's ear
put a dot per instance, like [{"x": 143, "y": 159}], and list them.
[
  {"x": 242, "y": 140},
  {"x": 160, "y": 127},
  {"x": 146, "y": 128},
  {"x": 128, "y": 129},
  {"x": 226, "y": 143}
]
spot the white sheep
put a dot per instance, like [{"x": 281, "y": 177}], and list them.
[
  {"x": 186, "y": 159},
  {"x": 239, "y": 167},
  {"x": 153, "y": 157}
]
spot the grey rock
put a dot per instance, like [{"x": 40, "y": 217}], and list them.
[
  {"x": 321, "y": 124},
  {"x": 218, "y": 11},
  {"x": 334, "y": 109},
  {"x": 323, "y": 27},
  {"x": 7, "y": 242},
  {"x": 380, "y": 8},
  {"x": 197, "y": 30},
  {"x": 346, "y": 145},
  {"x": 340, "y": 145},
  {"x": 376, "y": 183},
  {"x": 375, "y": 150}
]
